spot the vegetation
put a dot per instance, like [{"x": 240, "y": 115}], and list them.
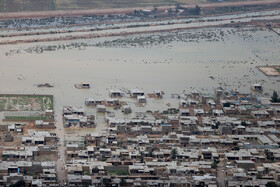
[
  {"x": 174, "y": 153},
  {"x": 271, "y": 184},
  {"x": 217, "y": 125},
  {"x": 277, "y": 69},
  {"x": 269, "y": 155},
  {"x": 26, "y": 118},
  {"x": 118, "y": 171},
  {"x": 171, "y": 111},
  {"x": 26, "y": 102},
  {"x": 150, "y": 154},
  {"x": 275, "y": 98},
  {"x": 4, "y": 157},
  {"x": 20, "y": 183},
  {"x": 141, "y": 157},
  {"x": 215, "y": 163}
]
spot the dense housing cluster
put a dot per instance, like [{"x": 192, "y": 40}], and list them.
[
  {"x": 227, "y": 138},
  {"x": 222, "y": 139}
]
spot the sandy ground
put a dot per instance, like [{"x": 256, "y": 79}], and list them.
[
  {"x": 269, "y": 71},
  {"x": 38, "y": 14}
]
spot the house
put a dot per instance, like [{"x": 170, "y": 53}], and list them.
[
  {"x": 182, "y": 103},
  {"x": 245, "y": 164},
  {"x": 219, "y": 92},
  {"x": 141, "y": 99},
  {"x": 211, "y": 103},
  {"x": 136, "y": 92},
  {"x": 256, "y": 87},
  {"x": 44, "y": 125},
  {"x": 260, "y": 114},
  {"x": 115, "y": 93},
  {"x": 112, "y": 102},
  {"x": 184, "y": 112},
  {"x": 73, "y": 116},
  {"x": 230, "y": 110},
  {"x": 225, "y": 129},
  {"x": 276, "y": 111},
  {"x": 195, "y": 94},
  {"x": 217, "y": 112},
  {"x": 192, "y": 102},
  {"x": 17, "y": 128},
  {"x": 85, "y": 85},
  {"x": 243, "y": 110},
  {"x": 90, "y": 102},
  {"x": 101, "y": 108},
  {"x": 198, "y": 112},
  {"x": 158, "y": 94}
]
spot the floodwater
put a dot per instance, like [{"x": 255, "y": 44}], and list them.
[{"x": 213, "y": 57}]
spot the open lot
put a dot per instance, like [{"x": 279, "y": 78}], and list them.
[
  {"x": 43, "y": 5},
  {"x": 270, "y": 70},
  {"x": 10, "y": 102},
  {"x": 26, "y": 5},
  {"x": 88, "y": 4}
]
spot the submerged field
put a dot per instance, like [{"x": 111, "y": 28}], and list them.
[{"x": 174, "y": 62}]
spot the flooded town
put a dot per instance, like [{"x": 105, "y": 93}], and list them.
[{"x": 147, "y": 94}]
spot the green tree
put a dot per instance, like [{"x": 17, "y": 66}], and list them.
[
  {"x": 217, "y": 125},
  {"x": 141, "y": 157},
  {"x": 20, "y": 183},
  {"x": 215, "y": 163},
  {"x": 151, "y": 152},
  {"x": 274, "y": 98},
  {"x": 197, "y": 10},
  {"x": 174, "y": 153},
  {"x": 269, "y": 155},
  {"x": 271, "y": 184}
]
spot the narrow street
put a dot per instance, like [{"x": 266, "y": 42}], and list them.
[
  {"x": 221, "y": 173},
  {"x": 60, "y": 163}
]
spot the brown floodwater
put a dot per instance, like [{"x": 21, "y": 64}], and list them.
[{"x": 173, "y": 67}]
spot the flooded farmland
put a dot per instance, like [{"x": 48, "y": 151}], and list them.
[{"x": 175, "y": 62}]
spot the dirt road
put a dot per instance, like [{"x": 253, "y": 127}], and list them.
[
  {"x": 39, "y": 14},
  {"x": 61, "y": 161}
]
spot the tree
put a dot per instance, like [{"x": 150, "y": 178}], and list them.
[
  {"x": 174, "y": 153},
  {"x": 197, "y": 10},
  {"x": 123, "y": 182},
  {"x": 271, "y": 184},
  {"x": 215, "y": 163},
  {"x": 269, "y": 155},
  {"x": 150, "y": 154},
  {"x": 217, "y": 125},
  {"x": 243, "y": 123},
  {"x": 20, "y": 183},
  {"x": 106, "y": 182},
  {"x": 142, "y": 157},
  {"x": 274, "y": 98}
]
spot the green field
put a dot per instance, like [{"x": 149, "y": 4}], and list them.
[
  {"x": 32, "y": 118},
  {"x": 10, "y": 102}
]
